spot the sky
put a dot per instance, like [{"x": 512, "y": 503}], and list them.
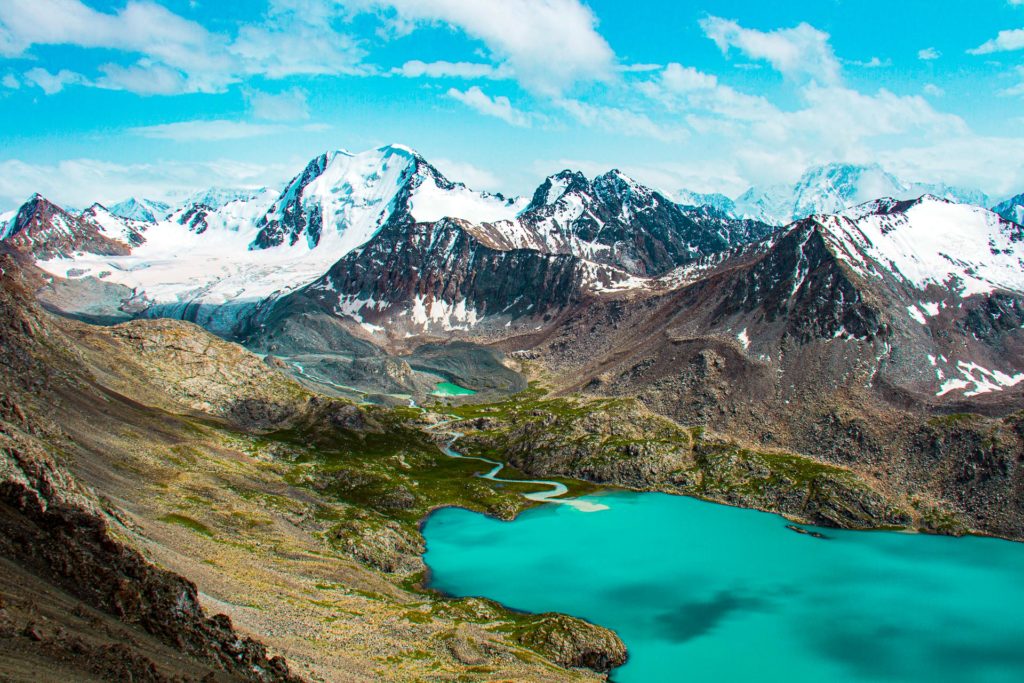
[{"x": 101, "y": 100}]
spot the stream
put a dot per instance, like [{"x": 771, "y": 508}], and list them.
[{"x": 552, "y": 495}]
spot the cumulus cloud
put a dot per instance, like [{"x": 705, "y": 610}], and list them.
[
  {"x": 621, "y": 121},
  {"x": 215, "y": 129},
  {"x": 802, "y": 51},
  {"x": 80, "y": 182},
  {"x": 1005, "y": 41},
  {"x": 929, "y": 53},
  {"x": 442, "y": 69},
  {"x": 169, "y": 54},
  {"x": 548, "y": 44},
  {"x": 463, "y": 172},
  {"x": 830, "y": 122},
  {"x": 499, "y": 106},
  {"x": 53, "y": 83},
  {"x": 288, "y": 105}
]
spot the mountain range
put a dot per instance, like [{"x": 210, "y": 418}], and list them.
[
  {"x": 245, "y": 388},
  {"x": 373, "y": 274},
  {"x": 827, "y": 189}
]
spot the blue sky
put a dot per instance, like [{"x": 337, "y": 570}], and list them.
[{"x": 101, "y": 100}]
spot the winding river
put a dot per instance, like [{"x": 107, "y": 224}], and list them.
[
  {"x": 554, "y": 489},
  {"x": 705, "y": 592}
]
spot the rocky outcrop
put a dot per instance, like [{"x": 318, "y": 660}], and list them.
[
  {"x": 47, "y": 231},
  {"x": 618, "y": 441},
  {"x": 200, "y": 371},
  {"x": 616, "y": 221},
  {"x": 54, "y": 528},
  {"x": 573, "y": 642},
  {"x": 439, "y": 274}
]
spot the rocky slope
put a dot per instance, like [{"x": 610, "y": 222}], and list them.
[
  {"x": 223, "y": 257},
  {"x": 615, "y": 220},
  {"x": 46, "y": 231},
  {"x": 848, "y": 338},
  {"x": 1012, "y": 209},
  {"x": 177, "y": 454},
  {"x": 618, "y": 441}
]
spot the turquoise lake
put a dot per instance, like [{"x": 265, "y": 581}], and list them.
[
  {"x": 705, "y": 592},
  {"x": 450, "y": 389}
]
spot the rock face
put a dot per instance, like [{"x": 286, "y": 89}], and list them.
[
  {"x": 617, "y": 221},
  {"x": 57, "y": 530},
  {"x": 573, "y": 642},
  {"x": 47, "y": 231},
  {"x": 205, "y": 373},
  {"x": 843, "y": 338},
  {"x": 1012, "y": 209},
  {"x": 444, "y": 276},
  {"x": 54, "y": 529}
]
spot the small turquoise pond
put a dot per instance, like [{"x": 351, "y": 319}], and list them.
[
  {"x": 449, "y": 389},
  {"x": 704, "y": 592}
]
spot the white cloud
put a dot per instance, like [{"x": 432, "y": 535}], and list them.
[
  {"x": 873, "y": 63},
  {"x": 297, "y": 37},
  {"x": 80, "y": 182},
  {"x": 548, "y": 44},
  {"x": 829, "y": 123},
  {"x": 639, "y": 68},
  {"x": 928, "y": 54},
  {"x": 169, "y": 54},
  {"x": 463, "y": 172},
  {"x": 53, "y": 83},
  {"x": 1018, "y": 89},
  {"x": 215, "y": 129},
  {"x": 794, "y": 52},
  {"x": 621, "y": 121},
  {"x": 441, "y": 69},
  {"x": 288, "y": 105},
  {"x": 11, "y": 82},
  {"x": 991, "y": 163},
  {"x": 499, "y": 107},
  {"x": 147, "y": 78},
  {"x": 1005, "y": 41},
  {"x": 933, "y": 90}
]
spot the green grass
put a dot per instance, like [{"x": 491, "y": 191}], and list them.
[{"x": 187, "y": 522}]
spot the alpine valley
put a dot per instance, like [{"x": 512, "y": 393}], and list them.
[{"x": 243, "y": 403}]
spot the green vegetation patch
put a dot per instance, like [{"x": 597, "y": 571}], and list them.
[{"x": 188, "y": 522}]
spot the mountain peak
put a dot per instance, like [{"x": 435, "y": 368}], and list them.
[
  {"x": 145, "y": 210},
  {"x": 1012, "y": 209},
  {"x": 835, "y": 187}
]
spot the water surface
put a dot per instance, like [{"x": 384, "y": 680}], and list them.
[
  {"x": 451, "y": 389},
  {"x": 703, "y": 592}
]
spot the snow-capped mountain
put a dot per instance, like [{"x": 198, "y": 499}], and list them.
[
  {"x": 385, "y": 240},
  {"x": 836, "y": 187},
  {"x": 116, "y": 227},
  {"x": 960, "y": 248},
  {"x": 142, "y": 210},
  {"x": 615, "y": 220},
  {"x": 218, "y": 197},
  {"x": 1012, "y": 209},
  {"x": 357, "y": 193},
  {"x": 215, "y": 265},
  {"x": 715, "y": 200},
  {"x": 46, "y": 231}
]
